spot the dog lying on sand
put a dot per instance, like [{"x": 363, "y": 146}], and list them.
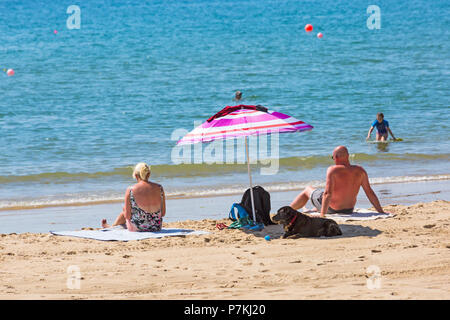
[{"x": 297, "y": 224}]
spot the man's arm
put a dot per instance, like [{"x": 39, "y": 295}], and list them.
[
  {"x": 389, "y": 129},
  {"x": 369, "y": 133},
  {"x": 327, "y": 193},
  {"x": 370, "y": 193}
]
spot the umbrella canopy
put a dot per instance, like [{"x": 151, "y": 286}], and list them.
[{"x": 243, "y": 121}]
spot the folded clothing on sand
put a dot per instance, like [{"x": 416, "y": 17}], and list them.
[
  {"x": 120, "y": 234},
  {"x": 357, "y": 215}
]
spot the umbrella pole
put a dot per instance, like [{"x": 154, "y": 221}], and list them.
[{"x": 250, "y": 178}]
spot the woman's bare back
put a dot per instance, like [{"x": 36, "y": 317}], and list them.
[{"x": 148, "y": 196}]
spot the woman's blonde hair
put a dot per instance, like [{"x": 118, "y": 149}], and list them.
[{"x": 142, "y": 170}]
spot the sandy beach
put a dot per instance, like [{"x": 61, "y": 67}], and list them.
[
  {"x": 404, "y": 257},
  {"x": 216, "y": 97}
]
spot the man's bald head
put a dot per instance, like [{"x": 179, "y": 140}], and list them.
[{"x": 340, "y": 154}]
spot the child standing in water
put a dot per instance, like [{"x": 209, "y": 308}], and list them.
[{"x": 382, "y": 128}]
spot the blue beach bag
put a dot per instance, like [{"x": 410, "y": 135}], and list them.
[{"x": 241, "y": 212}]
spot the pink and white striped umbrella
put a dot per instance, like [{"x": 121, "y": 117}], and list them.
[{"x": 242, "y": 121}]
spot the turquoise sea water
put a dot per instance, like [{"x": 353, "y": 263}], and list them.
[{"x": 87, "y": 104}]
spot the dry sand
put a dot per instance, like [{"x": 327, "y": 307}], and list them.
[{"x": 411, "y": 252}]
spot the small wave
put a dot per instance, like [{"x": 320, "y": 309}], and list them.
[
  {"x": 197, "y": 192},
  {"x": 202, "y": 169},
  {"x": 66, "y": 176}
]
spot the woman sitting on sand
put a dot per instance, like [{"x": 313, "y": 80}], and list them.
[{"x": 145, "y": 203}]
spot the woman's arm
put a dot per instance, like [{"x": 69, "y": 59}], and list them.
[
  {"x": 127, "y": 212},
  {"x": 127, "y": 206},
  {"x": 163, "y": 203}
]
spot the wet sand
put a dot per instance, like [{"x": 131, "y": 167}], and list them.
[{"x": 76, "y": 217}]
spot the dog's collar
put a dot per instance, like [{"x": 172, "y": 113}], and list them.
[{"x": 292, "y": 221}]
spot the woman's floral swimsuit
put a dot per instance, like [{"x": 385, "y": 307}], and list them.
[{"x": 145, "y": 221}]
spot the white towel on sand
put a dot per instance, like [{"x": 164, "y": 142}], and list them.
[
  {"x": 357, "y": 215},
  {"x": 120, "y": 234}
]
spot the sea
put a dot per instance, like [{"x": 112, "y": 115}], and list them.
[{"x": 101, "y": 85}]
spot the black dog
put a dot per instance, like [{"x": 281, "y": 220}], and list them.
[{"x": 297, "y": 224}]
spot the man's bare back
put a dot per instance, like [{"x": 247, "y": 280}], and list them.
[
  {"x": 341, "y": 189},
  {"x": 345, "y": 182}
]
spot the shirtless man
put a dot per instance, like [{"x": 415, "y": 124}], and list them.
[{"x": 341, "y": 189}]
